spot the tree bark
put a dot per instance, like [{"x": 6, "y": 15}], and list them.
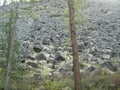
[{"x": 76, "y": 66}]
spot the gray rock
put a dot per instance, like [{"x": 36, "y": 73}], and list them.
[
  {"x": 84, "y": 73},
  {"x": 94, "y": 53},
  {"x": 96, "y": 72},
  {"x": 82, "y": 66},
  {"x": 63, "y": 70},
  {"x": 59, "y": 57},
  {"x": 37, "y": 48},
  {"x": 46, "y": 41},
  {"x": 105, "y": 56},
  {"x": 109, "y": 65},
  {"x": 57, "y": 74},
  {"x": 81, "y": 47},
  {"x": 38, "y": 78},
  {"x": 114, "y": 54},
  {"x": 69, "y": 66},
  {"x": 30, "y": 57},
  {"x": 42, "y": 56},
  {"x": 90, "y": 68},
  {"x": 34, "y": 65},
  {"x": 24, "y": 27}
]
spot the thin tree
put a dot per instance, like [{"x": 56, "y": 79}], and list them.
[
  {"x": 4, "y": 2},
  {"x": 12, "y": 28},
  {"x": 76, "y": 66}
]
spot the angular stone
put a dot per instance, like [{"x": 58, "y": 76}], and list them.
[
  {"x": 82, "y": 65},
  {"x": 30, "y": 57},
  {"x": 34, "y": 65},
  {"x": 42, "y": 56},
  {"x": 37, "y": 49},
  {"x": 91, "y": 68},
  {"x": 63, "y": 70},
  {"x": 81, "y": 47},
  {"x": 59, "y": 57},
  {"x": 109, "y": 65},
  {"x": 105, "y": 56},
  {"x": 38, "y": 77},
  {"x": 46, "y": 42},
  {"x": 57, "y": 74},
  {"x": 95, "y": 72}
]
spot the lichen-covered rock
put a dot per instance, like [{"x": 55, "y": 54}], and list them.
[
  {"x": 34, "y": 65},
  {"x": 42, "y": 56},
  {"x": 37, "y": 48}
]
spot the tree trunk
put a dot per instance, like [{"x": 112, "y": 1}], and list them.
[
  {"x": 76, "y": 66},
  {"x": 9, "y": 58}
]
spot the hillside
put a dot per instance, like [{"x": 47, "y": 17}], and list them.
[{"x": 43, "y": 32}]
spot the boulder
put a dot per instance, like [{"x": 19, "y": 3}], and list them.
[
  {"x": 109, "y": 65},
  {"x": 63, "y": 70},
  {"x": 114, "y": 54},
  {"x": 46, "y": 41},
  {"x": 95, "y": 72},
  {"x": 105, "y": 56},
  {"x": 30, "y": 57},
  {"x": 82, "y": 66},
  {"x": 94, "y": 53},
  {"x": 37, "y": 48},
  {"x": 34, "y": 65},
  {"x": 81, "y": 47},
  {"x": 90, "y": 68},
  {"x": 60, "y": 57},
  {"x": 42, "y": 56},
  {"x": 57, "y": 75},
  {"x": 38, "y": 78}
]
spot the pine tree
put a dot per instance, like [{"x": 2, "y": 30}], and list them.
[
  {"x": 12, "y": 30},
  {"x": 76, "y": 65}
]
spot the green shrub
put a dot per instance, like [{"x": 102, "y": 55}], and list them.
[
  {"x": 53, "y": 85},
  {"x": 101, "y": 82}
]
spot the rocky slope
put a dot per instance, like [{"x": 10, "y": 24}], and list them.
[{"x": 45, "y": 39}]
